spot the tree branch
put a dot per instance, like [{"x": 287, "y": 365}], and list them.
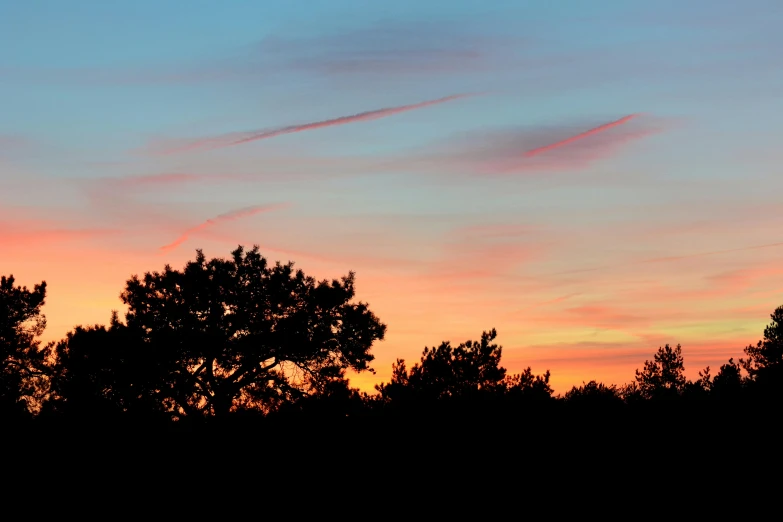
[{"x": 247, "y": 376}]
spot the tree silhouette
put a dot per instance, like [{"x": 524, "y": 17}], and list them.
[
  {"x": 728, "y": 383},
  {"x": 664, "y": 376},
  {"x": 468, "y": 373},
  {"x": 764, "y": 362},
  {"x": 102, "y": 371},
  {"x": 700, "y": 388},
  {"x": 594, "y": 394},
  {"x": 22, "y": 360},
  {"x": 471, "y": 369},
  {"x": 528, "y": 386},
  {"x": 223, "y": 335}
]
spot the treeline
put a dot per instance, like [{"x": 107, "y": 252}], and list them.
[{"x": 242, "y": 339}]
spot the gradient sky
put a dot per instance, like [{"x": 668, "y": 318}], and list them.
[{"x": 593, "y": 179}]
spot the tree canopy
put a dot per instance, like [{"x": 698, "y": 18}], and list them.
[
  {"x": 470, "y": 371},
  {"x": 764, "y": 362},
  {"x": 222, "y": 335},
  {"x": 664, "y": 376},
  {"x": 21, "y": 356}
]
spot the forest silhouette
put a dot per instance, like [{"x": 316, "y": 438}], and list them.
[{"x": 241, "y": 341}]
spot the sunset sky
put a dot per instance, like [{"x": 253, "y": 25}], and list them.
[{"x": 592, "y": 179}]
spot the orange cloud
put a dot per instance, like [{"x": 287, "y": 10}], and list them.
[
  {"x": 602, "y": 316},
  {"x": 615, "y": 362},
  {"x": 20, "y": 228},
  {"x": 14, "y": 234}
]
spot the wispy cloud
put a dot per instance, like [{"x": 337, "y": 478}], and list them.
[
  {"x": 385, "y": 49},
  {"x": 389, "y": 49},
  {"x": 228, "y": 140},
  {"x": 481, "y": 259},
  {"x": 673, "y": 258},
  {"x": 562, "y": 143},
  {"x": 614, "y": 362},
  {"x": 14, "y": 234},
  {"x": 114, "y": 188},
  {"x": 229, "y": 216},
  {"x": 573, "y": 152},
  {"x": 544, "y": 148},
  {"x": 597, "y": 316},
  {"x": 120, "y": 198}
]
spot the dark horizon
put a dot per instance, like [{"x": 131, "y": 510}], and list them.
[{"x": 230, "y": 337}]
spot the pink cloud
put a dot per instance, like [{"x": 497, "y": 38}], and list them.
[
  {"x": 118, "y": 197},
  {"x": 581, "y": 136},
  {"x": 521, "y": 150},
  {"x": 585, "y": 358},
  {"x": 725, "y": 284},
  {"x": 483, "y": 258},
  {"x": 228, "y": 140},
  {"x": 13, "y": 234},
  {"x": 571, "y": 153},
  {"x": 744, "y": 278},
  {"x": 229, "y": 216},
  {"x": 602, "y": 316},
  {"x": 615, "y": 362}
]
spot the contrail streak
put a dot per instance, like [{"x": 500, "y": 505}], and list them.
[
  {"x": 567, "y": 141},
  {"x": 220, "y": 142},
  {"x": 229, "y": 216},
  {"x": 362, "y": 116}
]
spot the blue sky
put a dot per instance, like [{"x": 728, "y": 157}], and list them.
[{"x": 90, "y": 89}]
